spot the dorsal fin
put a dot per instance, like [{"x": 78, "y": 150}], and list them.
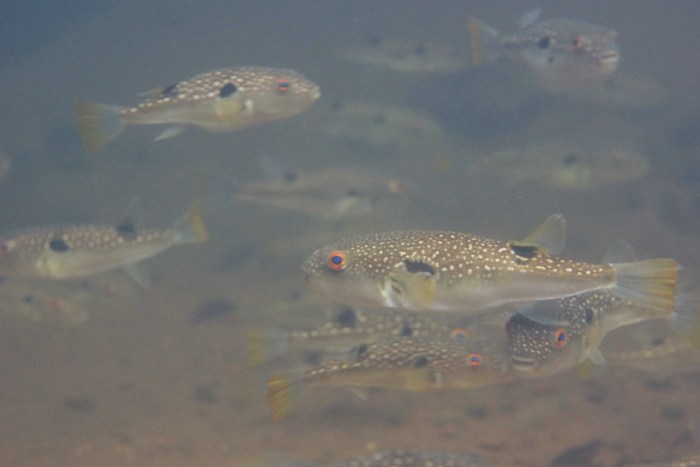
[{"x": 550, "y": 235}]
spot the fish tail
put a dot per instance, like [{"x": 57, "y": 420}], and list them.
[
  {"x": 191, "y": 228},
  {"x": 98, "y": 124},
  {"x": 650, "y": 283},
  {"x": 281, "y": 392},
  {"x": 686, "y": 318},
  {"x": 264, "y": 345},
  {"x": 484, "y": 42}
]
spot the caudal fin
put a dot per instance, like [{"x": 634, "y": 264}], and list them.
[
  {"x": 264, "y": 345},
  {"x": 98, "y": 124},
  {"x": 281, "y": 391},
  {"x": 686, "y": 319},
  {"x": 650, "y": 283},
  {"x": 191, "y": 228}
]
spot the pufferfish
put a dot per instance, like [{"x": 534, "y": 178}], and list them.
[{"x": 220, "y": 100}]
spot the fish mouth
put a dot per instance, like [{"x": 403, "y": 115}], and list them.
[
  {"x": 609, "y": 60},
  {"x": 524, "y": 363}
]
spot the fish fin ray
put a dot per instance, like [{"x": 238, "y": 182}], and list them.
[
  {"x": 169, "y": 133},
  {"x": 264, "y": 345},
  {"x": 281, "y": 392},
  {"x": 650, "y": 282},
  {"x": 98, "y": 124},
  {"x": 484, "y": 42},
  {"x": 412, "y": 289},
  {"x": 686, "y": 318},
  {"x": 191, "y": 227},
  {"x": 550, "y": 235},
  {"x": 529, "y": 18}
]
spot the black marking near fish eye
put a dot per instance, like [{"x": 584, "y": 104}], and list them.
[
  {"x": 418, "y": 266},
  {"x": 58, "y": 245},
  {"x": 170, "y": 91},
  {"x": 544, "y": 42},
  {"x": 227, "y": 89},
  {"x": 347, "y": 318},
  {"x": 524, "y": 251},
  {"x": 588, "y": 315},
  {"x": 420, "y": 361},
  {"x": 571, "y": 158}
]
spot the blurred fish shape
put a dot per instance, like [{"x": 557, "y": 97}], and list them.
[
  {"x": 443, "y": 271},
  {"x": 564, "y": 54},
  {"x": 561, "y": 165},
  {"x": 69, "y": 251},
  {"x": 220, "y": 100},
  {"x": 406, "y": 364},
  {"x": 328, "y": 193},
  {"x": 349, "y": 328},
  {"x": 582, "y": 322},
  {"x": 384, "y": 125},
  {"x": 408, "y": 56},
  {"x": 387, "y": 458}
]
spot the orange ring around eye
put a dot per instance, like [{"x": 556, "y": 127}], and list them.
[
  {"x": 282, "y": 85},
  {"x": 474, "y": 359},
  {"x": 560, "y": 338},
  {"x": 336, "y": 260},
  {"x": 459, "y": 334}
]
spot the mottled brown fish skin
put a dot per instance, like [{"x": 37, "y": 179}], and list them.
[
  {"x": 228, "y": 99},
  {"x": 471, "y": 273}
]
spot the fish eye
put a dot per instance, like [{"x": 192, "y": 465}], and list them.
[
  {"x": 560, "y": 338},
  {"x": 544, "y": 42},
  {"x": 283, "y": 85},
  {"x": 459, "y": 334},
  {"x": 336, "y": 260},
  {"x": 474, "y": 359}
]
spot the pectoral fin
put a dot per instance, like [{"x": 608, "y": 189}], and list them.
[{"x": 410, "y": 289}]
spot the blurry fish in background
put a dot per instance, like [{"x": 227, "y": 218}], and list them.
[
  {"x": 442, "y": 271},
  {"x": 383, "y": 125},
  {"x": 561, "y": 165},
  {"x": 405, "y": 364},
  {"x": 328, "y": 193},
  {"x": 64, "y": 303},
  {"x": 407, "y": 56},
  {"x": 220, "y": 100},
  {"x": 388, "y": 458},
  {"x": 564, "y": 54},
  {"x": 579, "y": 325},
  {"x": 5, "y": 164},
  {"x": 69, "y": 251},
  {"x": 349, "y": 328}
]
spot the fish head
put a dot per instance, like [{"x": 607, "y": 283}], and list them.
[
  {"x": 566, "y": 53},
  {"x": 280, "y": 93},
  {"x": 538, "y": 350}
]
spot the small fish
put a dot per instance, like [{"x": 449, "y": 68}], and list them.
[
  {"x": 68, "y": 251},
  {"x": 407, "y": 56},
  {"x": 348, "y": 329},
  {"x": 463, "y": 273},
  {"x": 219, "y": 100},
  {"x": 564, "y": 54},
  {"x": 540, "y": 350},
  {"x": 562, "y": 165},
  {"x": 401, "y": 458},
  {"x": 330, "y": 193},
  {"x": 406, "y": 364},
  {"x": 384, "y": 126}
]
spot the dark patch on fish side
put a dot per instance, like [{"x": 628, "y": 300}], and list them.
[
  {"x": 205, "y": 394},
  {"x": 58, "y": 245},
  {"x": 126, "y": 229},
  {"x": 212, "y": 310},
  {"x": 406, "y": 330},
  {"x": 420, "y": 361},
  {"x": 347, "y": 318},
  {"x": 360, "y": 352},
  {"x": 227, "y": 90},
  {"x": 170, "y": 90},
  {"x": 418, "y": 266},
  {"x": 524, "y": 251},
  {"x": 581, "y": 455},
  {"x": 79, "y": 403}
]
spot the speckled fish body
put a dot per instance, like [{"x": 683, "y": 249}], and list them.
[
  {"x": 64, "y": 252},
  {"x": 220, "y": 100},
  {"x": 579, "y": 325},
  {"x": 562, "y": 53},
  {"x": 408, "y": 56},
  {"x": 463, "y": 273},
  {"x": 332, "y": 193},
  {"x": 407, "y": 364},
  {"x": 401, "y": 458}
]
